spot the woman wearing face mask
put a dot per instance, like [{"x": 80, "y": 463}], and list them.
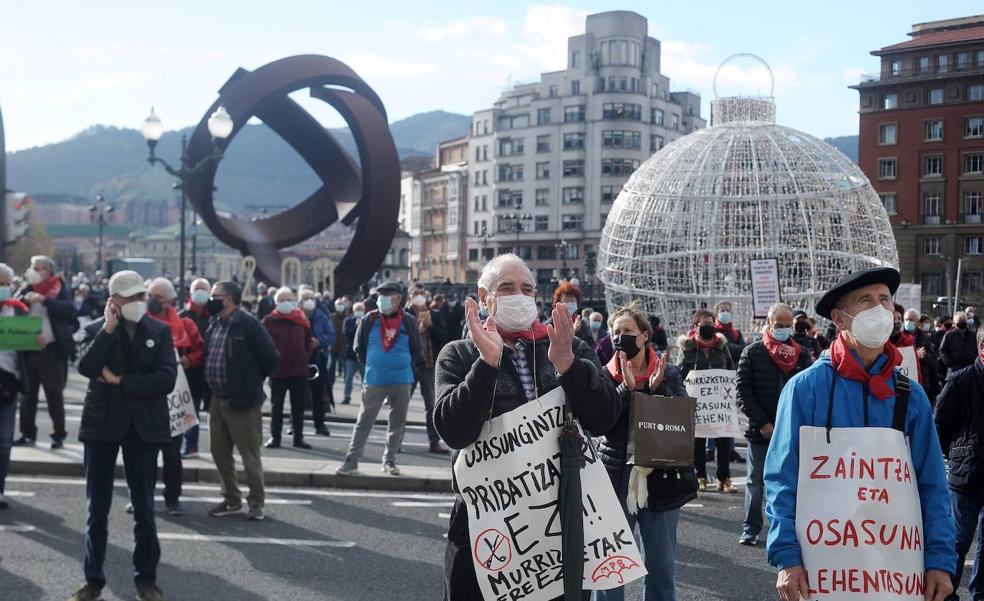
[
  {"x": 327, "y": 336},
  {"x": 848, "y": 397},
  {"x": 706, "y": 348},
  {"x": 959, "y": 346},
  {"x": 510, "y": 360},
  {"x": 637, "y": 367},
  {"x": 352, "y": 366},
  {"x": 195, "y": 311},
  {"x": 570, "y": 295}
]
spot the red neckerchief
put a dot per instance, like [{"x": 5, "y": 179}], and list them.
[
  {"x": 178, "y": 334},
  {"x": 701, "y": 343},
  {"x": 785, "y": 355},
  {"x": 849, "y": 367},
  {"x": 728, "y": 329},
  {"x": 16, "y": 304},
  {"x": 196, "y": 309},
  {"x": 389, "y": 329},
  {"x": 536, "y": 332},
  {"x": 49, "y": 288},
  {"x": 905, "y": 339},
  {"x": 614, "y": 367},
  {"x": 296, "y": 316}
]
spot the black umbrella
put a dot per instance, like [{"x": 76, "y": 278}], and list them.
[{"x": 572, "y": 448}]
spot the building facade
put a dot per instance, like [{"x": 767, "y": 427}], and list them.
[
  {"x": 435, "y": 215},
  {"x": 921, "y": 143},
  {"x": 547, "y": 160}
]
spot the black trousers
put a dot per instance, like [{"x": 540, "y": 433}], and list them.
[
  {"x": 319, "y": 388},
  {"x": 298, "y": 387},
  {"x": 722, "y": 452},
  {"x": 172, "y": 469}
]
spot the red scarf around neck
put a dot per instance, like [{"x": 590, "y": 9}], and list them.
[
  {"x": 728, "y": 329},
  {"x": 297, "y": 316},
  {"x": 178, "y": 334},
  {"x": 196, "y": 309},
  {"x": 536, "y": 332},
  {"x": 389, "y": 328},
  {"x": 905, "y": 339},
  {"x": 614, "y": 367},
  {"x": 49, "y": 288},
  {"x": 704, "y": 344},
  {"x": 16, "y": 304},
  {"x": 786, "y": 356},
  {"x": 849, "y": 367}
]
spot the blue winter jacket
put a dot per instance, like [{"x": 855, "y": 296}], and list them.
[
  {"x": 804, "y": 401},
  {"x": 322, "y": 329}
]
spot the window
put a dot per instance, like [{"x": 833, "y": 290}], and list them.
[
  {"x": 618, "y": 166},
  {"x": 478, "y": 178},
  {"x": 932, "y": 283},
  {"x": 933, "y": 130},
  {"x": 477, "y": 208},
  {"x": 933, "y": 166},
  {"x": 574, "y": 114},
  {"x": 888, "y": 133},
  {"x": 980, "y": 58},
  {"x": 574, "y": 168},
  {"x": 972, "y": 207},
  {"x": 543, "y": 170},
  {"x": 478, "y": 153},
  {"x": 572, "y": 223},
  {"x": 886, "y": 169},
  {"x": 975, "y": 93},
  {"x": 943, "y": 63},
  {"x": 890, "y": 101},
  {"x": 510, "y": 173},
  {"x": 935, "y": 96},
  {"x": 541, "y": 223},
  {"x": 510, "y": 147},
  {"x": 473, "y": 254},
  {"x": 932, "y": 208},
  {"x": 655, "y": 143},
  {"x": 897, "y": 67},
  {"x": 973, "y": 127},
  {"x": 924, "y": 64},
  {"x": 485, "y": 177},
  {"x": 576, "y": 87},
  {"x": 974, "y": 162},
  {"x": 622, "y": 111},
  {"x": 543, "y": 143},
  {"x": 656, "y": 116},
  {"x": 542, "y": 116},
  {"x": 574, "y": 141},
  {"x": 510, "y": 198},
  {"x": 609, "y": 193},
  {"x": 552, "y": 91},
  {"x": 973, "y": 282},
  {"x": 972, "y": 245},
  {"x": 485, "y": 201},
  {"x": 890, "y": 201},
  {"x": 575, "y": 59},
  {"x": 621, "y": 139},
  {"x": 963, "y": 60},
  {"x": 572, "y": 195},
  {"x": 675, "y": 124},
  {"x": 542, "y": 197},
  {"x": 931, "y": 245}
]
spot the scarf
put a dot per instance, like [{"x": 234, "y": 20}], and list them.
[
  {"x": 297, "y": 316},
  {"x": 905, "y": 339},
  {"x": 389, "y": 329},
  {"x": 49, "y": 288},
  {"x": 701, "y": 343},
  {"x": 178, "y": 334},
  {"x": 16, "y": 304},
  {"x": 614, "y": 367},
  {"x": 536, "y": 332},
  {"x": 786, "y": 356},
  {"x": 728, "y": 329},
  {"x": 849, "y": 367},
  {"x": 196, "y": 309}
]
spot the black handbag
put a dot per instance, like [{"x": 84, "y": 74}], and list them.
[
  {"x": 671, "y": 488},
  {"x": 9, "y": 388}
]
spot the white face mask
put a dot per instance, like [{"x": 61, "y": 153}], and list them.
[
  {"x": 516, "y": 312},
  {"x": 33, "y": 276},
  {"x": 419, "y": 300},
  {"x": 872, "y": 327},
  {"x": 308, "y": 304},
  {"x": 133, "y": 311}
]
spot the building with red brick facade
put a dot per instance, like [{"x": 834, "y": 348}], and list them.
[{"x": 921, "y": 143}]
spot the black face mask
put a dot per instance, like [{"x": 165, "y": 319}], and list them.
[
  {"x": 155, "y": 306},
  {"x": 214, "y": 306},
  {"x": 626, "y": 343},
  {"x": 802, "y": 327},
  {"x": 707, "y": 332}
]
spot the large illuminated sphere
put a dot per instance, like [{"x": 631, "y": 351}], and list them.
[{"x": 684, "y": 227}]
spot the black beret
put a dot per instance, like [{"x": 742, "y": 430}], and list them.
[
  {"x": 389, "y": 287},
  {"x": 855, "y": 280}
]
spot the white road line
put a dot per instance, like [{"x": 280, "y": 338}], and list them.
[
  {"x": 422, "y": 504},
  {"x": 17, "y": 528},
  {"x": 19, "y": 493},
  {"x": 694, "y": 505},
  {"x": 220, "y": 499},
  {"x": 246, "y": 540},
  {"x": 444, "y": 516}
]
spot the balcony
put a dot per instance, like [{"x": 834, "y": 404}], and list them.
[
  {"x": 932, "y": 219},
  {"x": 974, "y": 218},
  {"x": 916, "y": 74}
]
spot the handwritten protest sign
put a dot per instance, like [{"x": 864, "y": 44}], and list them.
[
  {"x": 717, "y": 409},
  {"x": 181, "y": 406},
  {"x": 20, "y": 332},
  {"x": 765, "y": 286},
  {"x": 509, "y": 479},
  {"x": 910, "y": 364},
  {"x": 858, "y": 515}
]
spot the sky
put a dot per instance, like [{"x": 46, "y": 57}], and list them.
[{"x": 67, "y": 65}]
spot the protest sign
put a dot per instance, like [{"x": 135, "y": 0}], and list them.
[
  {"x": 858, "y": 515},
  {"x": 20, "y": 332},
  {"x": 910, "y": 364},
  {"x": 717, "y": 409},
  {"x": 509, "y": 479},
  {"x": 765, "y": 286},
  {"x": 180, "y": 405}
]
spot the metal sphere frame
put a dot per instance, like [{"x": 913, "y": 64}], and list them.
[
  {"x": 365, "y": 192},
  {"x": 759, "y": 59}
]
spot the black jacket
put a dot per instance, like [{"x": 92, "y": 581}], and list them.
[
  {"x": 469, "y": 391},
  {"x": 960, "y": 425},
  {"x": 691, "y": 357},
  {"x": 958, "y": 349},
  {"x": 809, "y": 343},
  {"x": 149, "y": 368},
  {"x": 64, "y": 319},
  {"x": 250, "y": 358},
  {"x": 759, "y": 383}
]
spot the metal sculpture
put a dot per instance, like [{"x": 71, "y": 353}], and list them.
[
  {"x": 685, "y": 226},
  {"x": 365, "y": 193}
]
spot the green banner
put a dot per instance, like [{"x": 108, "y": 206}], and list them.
[{"x": 20, "y": 333}]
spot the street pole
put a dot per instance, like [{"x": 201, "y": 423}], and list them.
[
  {"x": 99, "y": 252},
  {"x": 184, "y": 208},
  {"x": 956, "y": 293},
  {"x": 194, "y": 247}
]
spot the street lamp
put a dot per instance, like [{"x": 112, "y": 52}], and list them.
[
  {"x": 562, "y": 250},
  {"x": 194, "y": 244},
  {"x": 486, "y": 237},
  {"x": 220, "y": 127},
  {"x": 98, "y": 213},
  {"x": 518, "y": 218}
]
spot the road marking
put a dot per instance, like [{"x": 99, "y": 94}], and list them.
[
  {"x": 290, "y": 542},
  {"x": 220, "y": 499},
  {"x": 17, "y": 528},
  {"x": 444, "y": 516},
  {"x": 696, "y": 505},
  {"x": 19, "y": 493},
  {"x": 422, "y": 503}
]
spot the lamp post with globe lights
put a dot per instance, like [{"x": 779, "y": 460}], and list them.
[{"x": 220, "y": 127}]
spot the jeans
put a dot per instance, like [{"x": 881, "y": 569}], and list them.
[
  {"x": 298, "y": 388},
  {"x": 140, "y": 468},
  {"x": 755, "y": 488},
  {"x": 658, "y": 537},
  {"x": 351, "y": 368},
  {"x": 969, "y": 519},
  {"x": 426, "y": 380},
  {"x": 47, "y": 369},
  {"x": 8, "y": 415},
  {"x": 372, "y": 401},
  {"x": 723, "y": 461},
  {"x": 173, "y": 475}
]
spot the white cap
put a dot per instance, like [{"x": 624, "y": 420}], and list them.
[{"x": 126, "y": 283}]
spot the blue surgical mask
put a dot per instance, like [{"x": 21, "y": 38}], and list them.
[
  {"x": 483, "y": 313},
  {"x": 782, "y": 334},
  {"x": 572, "y": 309},
  {"x": 385, "y": 304},
  {"x": 5, "y": 293},
  {"x": 595, "y": 325},
  {"x": 286, "y": 306},
  {"x": 199, "y": 297},
  {"x": 359, "y": 314},
  {"x": 724, "y": 317},
  {"x": 910, "y": 326}
]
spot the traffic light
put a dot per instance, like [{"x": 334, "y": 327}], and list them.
[{"x": 16, "y": 213}]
